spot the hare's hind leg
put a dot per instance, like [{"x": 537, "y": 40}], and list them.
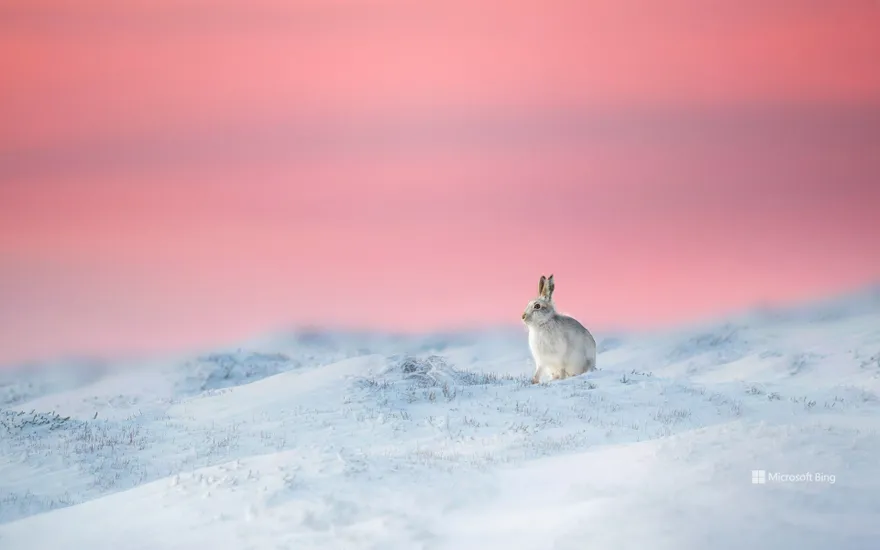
[{"x": 557, "y": 373}]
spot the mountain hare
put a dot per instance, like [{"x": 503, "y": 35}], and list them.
[{"x": 560, "y": 345}]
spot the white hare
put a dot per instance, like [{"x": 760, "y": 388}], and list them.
[{"x": 560, "y": 345}]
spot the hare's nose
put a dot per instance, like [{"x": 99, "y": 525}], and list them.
[{"x": 524, "y": 315}]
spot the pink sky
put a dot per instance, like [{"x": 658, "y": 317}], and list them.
[{"x": 184, "y": 173}]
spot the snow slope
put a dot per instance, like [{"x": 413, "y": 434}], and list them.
[{"x": 380, "y": 441}]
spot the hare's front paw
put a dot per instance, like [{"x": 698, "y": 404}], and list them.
[{"x": 540, "y": 371}]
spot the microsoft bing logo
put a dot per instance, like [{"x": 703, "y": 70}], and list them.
[{"x": 762, "y": 477}]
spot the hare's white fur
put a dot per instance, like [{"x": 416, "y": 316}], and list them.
[{"x": 560, "y": 345}]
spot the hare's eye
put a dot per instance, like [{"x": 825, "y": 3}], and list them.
[{"x": 537, "y": 306}]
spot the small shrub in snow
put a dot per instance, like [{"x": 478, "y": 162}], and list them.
[
  {"x": 16, "y": 421},
  {"x": 232, "y": 369},
  {"x": 434, "y": 371},
  {"x": 671, "y": 416}
]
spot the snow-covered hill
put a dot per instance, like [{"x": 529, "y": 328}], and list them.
[{"x": 370, "y": 441}]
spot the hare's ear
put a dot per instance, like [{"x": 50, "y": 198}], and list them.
[
  {"x": 542, "y": 284},
  {"x": 549, "y": 287}
]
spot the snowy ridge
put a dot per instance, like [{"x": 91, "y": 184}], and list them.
[{"x": 317, "y": 440}]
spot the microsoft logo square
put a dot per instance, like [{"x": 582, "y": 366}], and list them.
[{"x": 759, "y": 476}]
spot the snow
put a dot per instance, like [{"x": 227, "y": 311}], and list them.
[{"x": 317, "y": 440}]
